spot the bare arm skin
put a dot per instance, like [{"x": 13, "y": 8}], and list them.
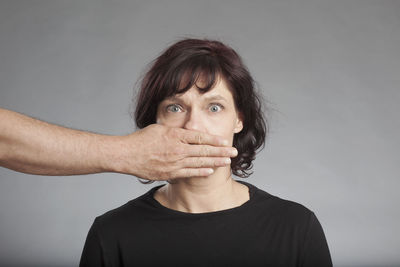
[{"x": 155, "y": 152}]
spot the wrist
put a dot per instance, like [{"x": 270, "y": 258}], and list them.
[{"x": 116, "y": 155}]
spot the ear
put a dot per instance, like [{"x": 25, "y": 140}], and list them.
[{"x": 239, "y": 123}]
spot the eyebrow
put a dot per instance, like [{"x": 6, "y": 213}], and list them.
[
  {"x": 215, "y": 97},
  {"x": 207, "y": 98}
]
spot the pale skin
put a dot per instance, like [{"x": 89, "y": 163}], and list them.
[
  {"x": 156, "y": 152},
  {"x": 214, "y": 113}
]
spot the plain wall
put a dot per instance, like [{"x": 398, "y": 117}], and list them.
[{"x": 329, "y": 69}]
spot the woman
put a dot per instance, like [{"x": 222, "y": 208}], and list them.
[{"x": 203, "y": 85}]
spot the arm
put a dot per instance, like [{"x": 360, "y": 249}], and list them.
[
  {"x": 36, "y": 147},
  {"x": 93, "y": 254},
  {"x": 315, "y": 250}
]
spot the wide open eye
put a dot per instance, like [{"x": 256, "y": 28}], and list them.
[
  {"x": 216, "y": 107},
  {"x": 174, "y": 108}
]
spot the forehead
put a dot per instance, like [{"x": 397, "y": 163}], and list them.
[{"x": 220, "y": 91}]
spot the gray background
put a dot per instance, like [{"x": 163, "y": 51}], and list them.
[{"x": 330, "y": 71}]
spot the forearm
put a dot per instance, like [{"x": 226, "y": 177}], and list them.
[{"x": 32, "y": 146}]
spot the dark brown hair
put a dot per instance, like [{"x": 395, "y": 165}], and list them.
[{"x": 186, "y": 61}]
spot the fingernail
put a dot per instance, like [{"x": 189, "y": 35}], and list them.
[
  {"x": 234, "y": 152},
  {"x": 227, "y": 161},
  {"x": 210, "y": 171},
  {"x": 224, "y": 142}
]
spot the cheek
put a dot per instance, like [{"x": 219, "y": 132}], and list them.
[
  {"x": 171, "y": 121},
  {"x": 222, "y": 127}
]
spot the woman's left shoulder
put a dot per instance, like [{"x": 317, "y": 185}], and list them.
[{"x": 282, "y": 207}]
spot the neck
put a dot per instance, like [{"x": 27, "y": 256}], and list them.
[{"x": 204, "y": 194}]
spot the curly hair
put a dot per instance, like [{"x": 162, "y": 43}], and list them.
[{"x": 207, "y": 58}]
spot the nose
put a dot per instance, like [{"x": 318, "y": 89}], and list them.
[{"x": 194, "y": 121}]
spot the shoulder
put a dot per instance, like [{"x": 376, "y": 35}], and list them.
[
  {"x": 281, "y": 209},
  {"x": 294, "y": 223},
  {"x": 131, "y": 213},
  {"x": 290, "y": 207}
]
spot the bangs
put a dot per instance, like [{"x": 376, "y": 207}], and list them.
[{"x": 201, "y": 71}]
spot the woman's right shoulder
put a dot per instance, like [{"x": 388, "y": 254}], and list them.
[{"x": 132, "y": 211}]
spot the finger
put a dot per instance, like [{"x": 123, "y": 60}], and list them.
[
  {"x": 192, "y": 172},
  {"x": 200, "y": 138},
  {"x": 204, "y": 162},
  {"x": 210, "y": 151}
]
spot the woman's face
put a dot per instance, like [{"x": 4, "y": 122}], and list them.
[{"x": 213, "y": 112}]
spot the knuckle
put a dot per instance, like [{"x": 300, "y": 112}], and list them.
[
  {"x": 207, "y": 151},
  {"x": 176, "y": 174},
  {"x": 200, "y": 162},
  {"x": 173, "y": 175},
  {"x": 216, "y": 163},
  {"x": 174, "y": 131},
  {"x": 170, "y": 167},
  {"x": 199, "y": 138},
  {"x": 170, "y": 132},
  {"x": 185, "y": 173},
  {"x": 178, "y": 151},
  {"x": 167, "y": 173},
  {"x": 179, "y": 164},
  {"x": 157, "y": 128},
  {"x": 158, "y": 175}
]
